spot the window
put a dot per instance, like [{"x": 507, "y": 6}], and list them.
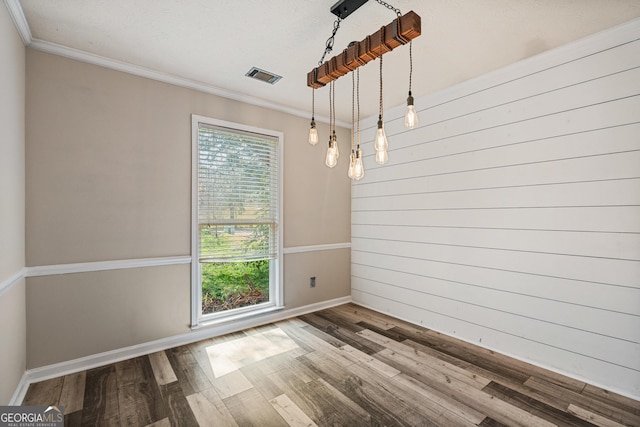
[{"x": 236, "y": 244}]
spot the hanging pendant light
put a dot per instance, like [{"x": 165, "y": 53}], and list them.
[
  {"x": 411, "y": 116},
  {"x": 399, "y": 32},
  {"x": 358, "y": 172},
  {"x": 382, "y": 157},
  {"x": 351, "y": 172},
  {"x": 381, "y": 144},
  {"x": 313, "y": 132},
  {"x": 331, "y": 159},
  {"x": 356, "y": 168},
  {"x": 334, "y": 139}
]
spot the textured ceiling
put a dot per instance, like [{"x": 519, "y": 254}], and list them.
[{"x": 216, "y": 42}]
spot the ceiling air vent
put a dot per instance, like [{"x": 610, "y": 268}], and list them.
[{"x": 262, "y": 75}]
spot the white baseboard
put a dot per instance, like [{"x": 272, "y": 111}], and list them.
[
  {"x": 21, "y": 391},
  {"x": 88, "y": 362}
]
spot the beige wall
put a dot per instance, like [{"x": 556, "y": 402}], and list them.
[
  {"x": 12, "y": 164},
  {"x": 73, "y": 315},
  {"x": 328, "y": 267},
  {"x": 108, "y": 178}
]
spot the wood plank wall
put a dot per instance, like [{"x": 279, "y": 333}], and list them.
[{"x": 511, "y": 217}]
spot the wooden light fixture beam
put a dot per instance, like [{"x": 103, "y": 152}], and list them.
[{"x": 398, "y": 32}]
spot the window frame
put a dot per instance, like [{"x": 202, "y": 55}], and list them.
[{"x": 276, "y": 291}]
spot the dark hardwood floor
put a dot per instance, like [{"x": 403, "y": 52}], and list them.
[{"x": 344, "y": 366}]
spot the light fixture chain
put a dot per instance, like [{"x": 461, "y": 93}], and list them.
[
  {"x": 388, "y": 6},
  {"x": 333, "y": 108},
  {"x": 381, "y": 79},
  {"x": 358, "y": 102},
  {"x": 353, "y": 130},
  {"x": 330, "y": 109},
  {"x": 410, "y": 65},
  {"x": 330, "y": 40}
]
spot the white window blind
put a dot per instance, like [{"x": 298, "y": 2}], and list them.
[{"x": 237, "y": 195}]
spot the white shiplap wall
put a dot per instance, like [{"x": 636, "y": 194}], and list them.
[{"x": 511, "y": 217}]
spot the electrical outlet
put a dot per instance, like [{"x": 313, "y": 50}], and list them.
[{"x": 312, "y": 282}]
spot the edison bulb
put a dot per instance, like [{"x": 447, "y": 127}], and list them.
[
  {"x": 381, "y": 140},
  {"x": 332, "y": 155},
  {"x": 381, "y": 157},
  {"x": 411, "y": 117},
  {"x": 313, "y": 134},
  {"x": 358, "y": 172},
  {"x": 352, "y": 164}
]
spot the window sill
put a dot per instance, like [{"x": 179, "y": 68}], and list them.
[{"x": 222, "y": 319}]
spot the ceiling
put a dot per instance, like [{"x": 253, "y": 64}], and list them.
[{"x": 214, "y": 43}]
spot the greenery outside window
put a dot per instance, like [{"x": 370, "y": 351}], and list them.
[{"x": 236, "y": 203}]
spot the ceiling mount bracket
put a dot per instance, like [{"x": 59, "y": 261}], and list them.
[{"x": 344, "y": 8}]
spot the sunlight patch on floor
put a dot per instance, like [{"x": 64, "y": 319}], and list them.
[{"x": 227, "y": 357}]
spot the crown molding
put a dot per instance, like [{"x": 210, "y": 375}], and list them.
[
  {"x": 79, "y": 55},
  {"x": 19, "y": 20}
]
